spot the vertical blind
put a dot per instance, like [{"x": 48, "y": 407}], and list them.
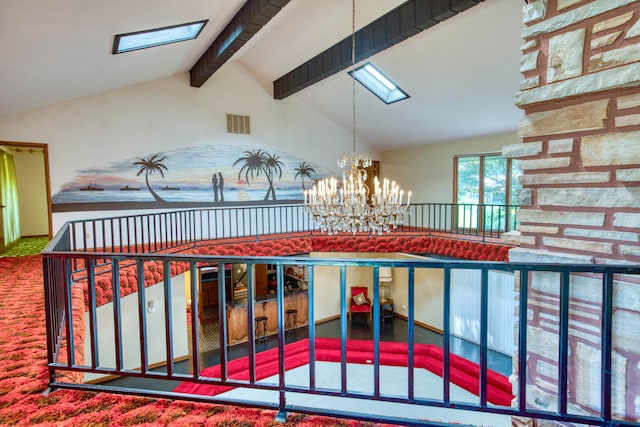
[{"x": 465, "y": 308}]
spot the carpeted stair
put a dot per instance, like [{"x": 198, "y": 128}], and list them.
[{"x": 463, "y": 372}]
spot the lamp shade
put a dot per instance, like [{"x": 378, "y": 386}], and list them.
[{"x": 384, "y": 274}]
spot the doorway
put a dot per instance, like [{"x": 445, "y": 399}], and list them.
[{"x": 30, "y": 182}]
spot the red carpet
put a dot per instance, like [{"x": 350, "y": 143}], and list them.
[
  {"x": 463, "y": 373},
  {"x": 23, "y": 377}
]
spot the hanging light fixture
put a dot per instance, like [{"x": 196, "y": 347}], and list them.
[{"x": 346, "y": 209}]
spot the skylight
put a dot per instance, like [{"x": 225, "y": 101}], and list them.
[
  {"x": 381, "y": 86},
  {"x": 157, "y": 37}
]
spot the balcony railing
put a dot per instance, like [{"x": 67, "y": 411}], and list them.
[
  {"x": 483, "y": 221},
  {"x": 164, "y": 231},
  {"x": 99, "y": 282}
]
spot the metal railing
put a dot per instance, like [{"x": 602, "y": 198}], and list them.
[
  {"x": 128, "y": 343},
  {"x": 164, "y": 231}
]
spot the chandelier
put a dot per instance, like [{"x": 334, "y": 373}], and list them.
[{"x": 352, "y": 207}]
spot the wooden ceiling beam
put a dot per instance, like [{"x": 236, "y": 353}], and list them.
[
  {"x": 406, "y": 20},
  {"x": 250, "y": 19}
]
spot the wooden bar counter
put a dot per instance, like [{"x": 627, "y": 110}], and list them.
[{"x": 237, "y": 330}]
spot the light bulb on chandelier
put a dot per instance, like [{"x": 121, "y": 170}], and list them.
[{"x": 346, "y": 209}]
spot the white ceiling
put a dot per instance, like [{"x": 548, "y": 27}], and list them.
[{"x": 461, "y": 74}]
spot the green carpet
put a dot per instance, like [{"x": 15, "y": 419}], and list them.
[{"x": 25, "y": 246}]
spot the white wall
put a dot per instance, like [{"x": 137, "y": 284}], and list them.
[
  {"x": 167, "y": 114},
  {"x": 32, "y": 193},
  {"x": 428, "y": 170},
  {"x": 155, "y": 328},
  {"x": 428, "y": 287},
  {"x": 327, "y": 283},
  {"x": 428, "y": 293}
]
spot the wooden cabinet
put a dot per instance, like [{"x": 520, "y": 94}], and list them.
[
  {"x": 262, "y": 279},
  {"x": 237, "y": 326},
  {"x": 208, "y": 291}
]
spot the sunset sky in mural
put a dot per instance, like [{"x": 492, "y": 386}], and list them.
[{"x": 188, "y": 173}]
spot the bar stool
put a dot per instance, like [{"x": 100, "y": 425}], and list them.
[
  {"x": 261, "y": 321},
  {"x": 291, "y": 322}
]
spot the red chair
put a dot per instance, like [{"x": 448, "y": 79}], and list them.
[{"x": 359, "y": 302}]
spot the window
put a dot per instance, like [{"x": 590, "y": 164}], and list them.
[
  {"x": 490, "y": 181},
  {"x": 156, "y": 37},
  {"x": 381, "y": 86}
]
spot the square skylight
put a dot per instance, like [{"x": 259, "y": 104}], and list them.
[
  {"x": 379, "y": 84},
  {"x": 157, "y": 37}
]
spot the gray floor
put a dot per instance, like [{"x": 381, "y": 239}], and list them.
[
  {"x": 393, "y": 383},
  {"x": 358, "y": 328}
]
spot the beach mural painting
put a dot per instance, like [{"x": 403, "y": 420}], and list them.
[{"x": 196, "y": 176}]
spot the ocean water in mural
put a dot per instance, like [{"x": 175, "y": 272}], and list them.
[
  {"x": 183, "y": 194},
  {"x": 205, "y": 174}
]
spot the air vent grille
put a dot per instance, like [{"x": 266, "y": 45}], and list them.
[{"x": 238, "y": 124}]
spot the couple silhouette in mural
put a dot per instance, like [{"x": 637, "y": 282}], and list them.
[{"x": 217, "y": 182}]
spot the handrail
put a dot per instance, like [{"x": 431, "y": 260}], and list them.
[
  {"x": 134, "y": 254},
  {"x": 164, "y": 231}
]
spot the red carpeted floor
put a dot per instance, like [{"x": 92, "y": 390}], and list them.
[
  {"x": 24, "y": 376},
  {"x": 463, "y": 372}
]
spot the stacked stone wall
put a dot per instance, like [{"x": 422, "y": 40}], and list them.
[{"x": 580, "y": 197}]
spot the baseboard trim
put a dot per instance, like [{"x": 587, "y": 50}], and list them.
[
  {"x": 398, "y": 315},
  {"x": 327, "y": 319},
  {"x": 418, "y": 323}
]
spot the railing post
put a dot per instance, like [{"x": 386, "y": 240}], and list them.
[
  {"x": 446, "y": 338},
  {"x": 66, "y": 314},
  {"x": 411, "y": 335},
  {"x": 343, "y": 328},
  {"x": 142, "y": 317},
  {"x": 522, "y": 340},
  {"x": 49, "y": 295},
  {"x": 607, "y": 346},
  {"x": 117, "y": 315},
  {"x": 311, "y": 326},
  {"x": 282, "y": 414},
  {"x": 93, "y": 319},
  {"x": 563, "y": 376},
  {"x": 376, "y": 332},
  {"x": 484, "y": 333}
]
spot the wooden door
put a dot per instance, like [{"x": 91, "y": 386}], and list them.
[
  {"x": 262, "y": 278},
  {"x": 34, "y": 191},
  {"x": 208, "y": 281}
]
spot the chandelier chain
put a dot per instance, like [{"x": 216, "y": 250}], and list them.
[
  {"x": 353, "y": 72},
  {"x": 353, "y": 207}
]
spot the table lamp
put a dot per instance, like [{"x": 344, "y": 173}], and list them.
[{"x": 384, "y": 276}]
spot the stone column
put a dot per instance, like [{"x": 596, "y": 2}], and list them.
[{"x": 580, "y": 201}]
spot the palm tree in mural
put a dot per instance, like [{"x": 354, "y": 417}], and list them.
[
  {"x": 149, "y": 166},
  {"x": 272, "y": 166},
  {"x": 304, "y": 171},
  {"x": 254, "y": 161},
  {"x": 315, "y": 181}
]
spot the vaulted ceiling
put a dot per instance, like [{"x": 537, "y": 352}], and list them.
[{"x": 458, "y": 61}]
